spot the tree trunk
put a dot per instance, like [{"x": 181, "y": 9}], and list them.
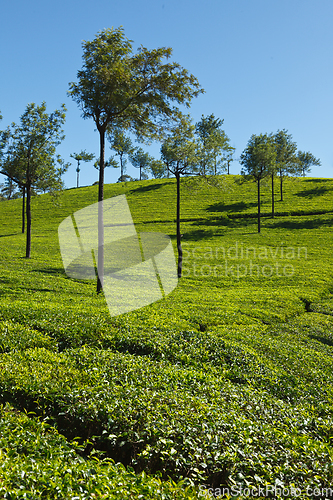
[
  {"x": 100, "y": 263},
  {"x": 77, "y": 177},
  {"x": 258, "y": 181},
  {"x": 23, "y": 209},
  {"x": 140, "y": 172},
  {"x": 281, "y": 190},
  {"x": 121, "y": 168},
  {"x": 179, "y": 245},
  {"x": 28, "y": 241},
  {"x": 273, "y": 212}
]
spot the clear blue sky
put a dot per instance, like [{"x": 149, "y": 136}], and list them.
[{"x": 264, "y": 64}]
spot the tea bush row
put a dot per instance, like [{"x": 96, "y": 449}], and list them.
[
  {"x": 38, "y": 463},
  {"x": 182, "y": 422}
]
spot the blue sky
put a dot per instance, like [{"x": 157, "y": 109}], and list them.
[{"x": 264, "y": 64}]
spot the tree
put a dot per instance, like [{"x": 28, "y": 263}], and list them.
[
  {"x": 82, "y": 156},
  {"x": 181, "y": 152},
  {"x": 307, "y": 160},
  {"x": 141, "y": 160},
  {"x": 29, "y": 154},
  {"x": 258, "y": 160},
  {"x": 135, "y": 92},
  {"x": 9, "y": 189},
  {"x": 123, "y": 147},
  {"x": 214, "y": 143},
  {"x": 158, "y": 168},
  {"x": 286, "y": 159}
]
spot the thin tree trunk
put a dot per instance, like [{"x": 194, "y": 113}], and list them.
[
  {"x": 28, "y": 209},
  {"x": 179, "y": 245},
  {"x": 23, "y": 209},
  {"x": 258, "y": 205},
  {"x": 273, "y": 212},
  {"x": 281, "y": 190},
  {"x": 77, "y": 176},
  {"x": 100, "y": 264},
  {"x": 140, "y": 172}
]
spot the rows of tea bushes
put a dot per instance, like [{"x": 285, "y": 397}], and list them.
[
  {"x": 227, "y": 381},
  {"x": 37, "y": 462}
]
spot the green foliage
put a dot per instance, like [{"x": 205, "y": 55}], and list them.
[
  {"x": 306, "y": 161},
  {"x": 226, "y": 381},
  {"x": 258, "y": 158},
  {"x": 286, "y": 158},
  {"x": 144, "y": 161},
  {"x": 122, "y": 145},
  {"x": 37, "y": 462},
  {"x": 214, "y": 145}
]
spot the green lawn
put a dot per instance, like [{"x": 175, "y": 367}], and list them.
[{"x": 225, "y": 383}]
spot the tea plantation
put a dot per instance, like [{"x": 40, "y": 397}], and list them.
[{"x": 224, "y": 387}]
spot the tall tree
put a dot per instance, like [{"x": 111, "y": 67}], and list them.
[
  {"x": 306, "y": 161},
  {"x": 286, "y": 159},
  {"x": 29, "y": 154},
  {"x": 258, "y": 159},
  {"x": 181, "y": 152},
  {"x": 136, "y": 92},
  {"x": 82, "y": 156},
  {"x": 214, "y": 143}
]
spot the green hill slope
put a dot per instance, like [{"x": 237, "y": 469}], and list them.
[{"x": 225, "y": 383}]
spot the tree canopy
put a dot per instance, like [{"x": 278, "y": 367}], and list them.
[
  {"x": 214, "y": 144},
  {"x": 306, "y": 161},
  {"x": 286, "y": 159}
]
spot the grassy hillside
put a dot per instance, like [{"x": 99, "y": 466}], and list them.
[{"x": 225, "y": 383}]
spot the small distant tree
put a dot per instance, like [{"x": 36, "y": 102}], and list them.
[
  {"x": 82, "y": 156},
  {"x": 29, "y": 154},
  {"x": 141, "y": 160},
  {"x": 181, "y": 152},
  {"x": 9, "y": 189},
  {"x": 214, "y": 144},
  {"x": 286, "y": 158},
  {"x": 258, "y": 160},
  {"x": 158, "y": 168},
  {"x": 123, "y": 147},
  {"x": 306, "y": 161}
]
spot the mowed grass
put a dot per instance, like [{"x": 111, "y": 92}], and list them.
[{"x": 226, "y": 382}]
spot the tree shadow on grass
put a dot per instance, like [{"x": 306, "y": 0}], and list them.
[
  {"x": 312, "y": 193},
  {"x": 149, "y": 187},
  {"x": 317, "y": 179},
  {"x": 55, "y": 271},
  {"x": 231, "y": 207},
  {"x": 11, "y": 234},
  {"x": 300, "y": 224}
]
